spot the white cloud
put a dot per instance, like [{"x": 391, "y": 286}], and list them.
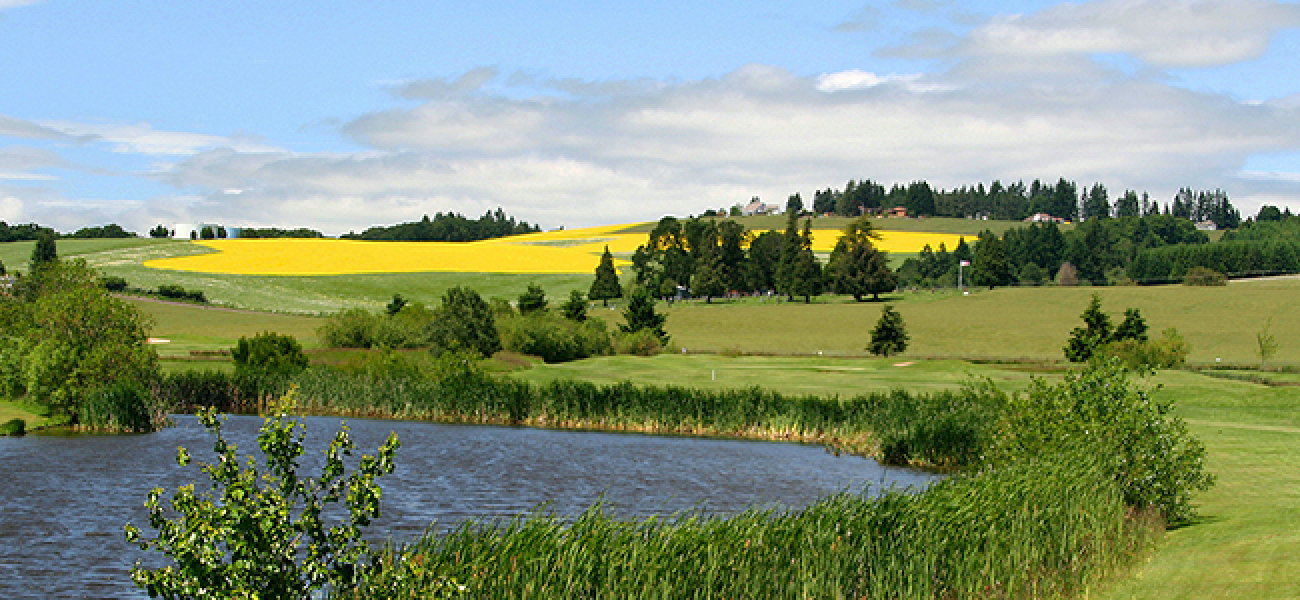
[
  {"x": 138, "y": 138},
  {"x": 16, "y": 3},
  {"x": 11, "y": 209},
  {"x": 1163, "y": 33}
]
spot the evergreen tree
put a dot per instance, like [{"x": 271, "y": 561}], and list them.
[
  {"x": 990, "y": 265},
  {"x": 1096, "y": 332},
  {"x": 762, "y": 261},
  {"x": 606, "y": 285},
  {"x": 794, "y": 204},
  {"x": 640, "y": 315},
  {"x": 890, "y": 335},
  {"x": 159, "y": 232},
  {"x": 709, "y": 279},
  {"x": 1134, "y": 327},
  {"x": 857, "y": 267},
  {"x": 787, "y": 268},
  {"x": 44, "y": 253},
  {"x": 575, "y": 309},
  {"x": 2, "y": 269},
  {"x": 806, "y": 271},
  {"x": 532, "y": 300}
]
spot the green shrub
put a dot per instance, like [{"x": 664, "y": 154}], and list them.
[
  {"x": 114, "y": 284},
  {"x": 644, "y": 342},
  {"x": 554, "y": 338},
  {"x": 1168, "y": 352},
  {"x": 1149, "y": 451},
  {"x": 14, "y": 427},
  {"x": 1202, "y": 276},
  {"x": 269, "y": 352},
  {"x": 122, "y": 407},
  {"x": 351, "y": 328},
  {"x": 262, "y": 531}
]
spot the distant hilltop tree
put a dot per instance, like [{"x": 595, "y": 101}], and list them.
[
  {"x": 449, "y": 227},
  {"x": 23, "y": 233}
]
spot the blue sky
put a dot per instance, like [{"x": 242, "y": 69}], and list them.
[{"x": 340, "y": 115}]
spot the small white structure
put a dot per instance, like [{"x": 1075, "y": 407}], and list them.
[
  {"x": 1207, "y": 226},
  {"x": 756, "y": 207},
  {"x": 1043, "y": 218}
]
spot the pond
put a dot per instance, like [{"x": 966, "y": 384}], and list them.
[{"x": 64, "y": 499}]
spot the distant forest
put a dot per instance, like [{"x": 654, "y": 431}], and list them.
[{"x": 449, "y": 227}]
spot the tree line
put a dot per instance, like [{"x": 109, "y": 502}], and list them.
[{"x": 448, "y": 227}]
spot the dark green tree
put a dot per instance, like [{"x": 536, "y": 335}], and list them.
[
  {"x": 1133, "y": 327},
  {"x": 159, "y": 232},
  {"x": 807, "y": 271},
  {"x": 464, "y": 321},
  {"x": 640, "y": 315},
  {"x": 395, "y": 305},
  {"x": 2, "y": 269},
  {"x": 269, "y": 352},
  {"x": 794, "y": 204},
  {"x": 762, "y": 261},
  {"x": 856, "y": 266},
  {"x": 990, "y": 265},
  {"x": 532, "y": 300},
  {"x": 890, "y": 335},
  {"x": 1096, "y": 332},
  {"x": 575, "y": 309},
  {"x": 44, "y": 253},
  {"x": 709, "y": 279},
  {"x": 207, "y": 232},
  {"x": 606, "y": 285}
]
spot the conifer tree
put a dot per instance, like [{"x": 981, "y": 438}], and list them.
[
  {"x": 44, "y": 253},
  {"x": 640, "y": 314},
  {"x": 890, "y": 335},
  {"x": 606, "y": 285}
]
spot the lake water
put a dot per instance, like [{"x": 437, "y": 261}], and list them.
[{"x": 64, "y": 499}]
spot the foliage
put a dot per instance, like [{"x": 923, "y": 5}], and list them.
[
  {"x": 1148, "y": 449},
  {"x": 640, "y": 315},
  {"x": 890, "y": 335},
  {"x": 1084, "y": 341},
  {"x": 1133, "y": 327},
  {"x": 112, "y": 230},
  {"x": 44, "y": 253},
  {"x": 1232, "y": 258},
  {"x": 277, "y": 232},
  {"x": 63, "y": 335},
  {"x": 575, "y": 308},
  {"x": 606, "y": 286},
  {"x": 555, "y": 338},
  {"x": 1266, "y": 343},
  {"x": 532, "y": 300},
  {"x": 13, "y": 427},
  {"x": 856, "y": 266},
  {"x": 1168, "y": 352},
  {"x": 990, "y": 264},
  {"x": 395, "y": 305},
  {"x": 114, "y": 284},
  {"x": 160, "y": 231},
  {"x": 121, "y": 407},
  {"x": 638, "y": 343},
  {"x": 269, "y": 352},
  {"x": 1201, "y": 276},
  {"x": 449, "y": 227},
  {"x": 260, "y": 531},
  {"x": 359, "y": 328},
  {"x": 464, "y": 321},
  {"x": 172, "y": 291}
]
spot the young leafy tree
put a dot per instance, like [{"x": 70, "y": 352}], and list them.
[
  {"x": 1267, "y": 343},
  {"x": 464, "y": 321},
  {"x": 890, "y": 335},
  {"x": 641, "y": 315},
  {"x": 606, "y": 285},
  {"x": 261, "y": 532},
  {"x": 44, "y": 253},
  {"x": 533, "y": 300},
  {"x": 856, "y": 266},
  {"x": 1084, "y": 341},
  {"x": 575, "y": 309}
]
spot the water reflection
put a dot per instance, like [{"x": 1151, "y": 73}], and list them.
[{"x": 63, "y": 500}]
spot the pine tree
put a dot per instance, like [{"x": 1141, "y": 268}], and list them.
[
  {"x": 606, "y": 285},
  {"x": 1096, "y": 332},
  {"x": 990, "y": 265},
  {"x": 575, "y": 309},
  {"x": 857, "y": 267},
  {"x": 890, "y": 335}
]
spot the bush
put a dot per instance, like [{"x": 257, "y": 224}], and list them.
[
  {"x": 555, "y": 338},
  {"x": 1157, "y": 463},
  {"x": 644, "y": 342},
  {"x": 1168, "y": 352},
  {"x": 1202, "y": 276},
  {"x": 14, "y": 427},
  {"x": 269, "y": 352},
  {"x": 171, "y": 290},
  {"x": 260, "y": 532},
  {"x": 114, "y": 284},
  {"x": 464, "y": 321},
  {"x": 351, "y": 328}
]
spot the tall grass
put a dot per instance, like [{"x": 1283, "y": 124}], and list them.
[
  {"x": 1050, "y": 526},
  {"x": 121, "y": 407}
]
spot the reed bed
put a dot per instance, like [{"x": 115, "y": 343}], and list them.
[{"x": 1048, "y": 527}]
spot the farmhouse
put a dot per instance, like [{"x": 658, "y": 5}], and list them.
[
  {"x": 1043, "y": 218},
  {"x": 756, "y": 207}
]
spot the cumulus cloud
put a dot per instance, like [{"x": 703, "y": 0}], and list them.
[
  {"x": 11, "y": 209},
  {"x": 20, "y": 128},
  {"x": 1162, "y": 33}
]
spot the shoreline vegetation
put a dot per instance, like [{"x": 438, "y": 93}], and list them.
[{"x": 1023, "y": 514}]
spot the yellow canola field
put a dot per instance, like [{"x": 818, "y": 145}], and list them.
[{"x": 568, "y": 251}]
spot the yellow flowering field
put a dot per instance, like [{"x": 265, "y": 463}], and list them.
[{"x": 566, "y": 251}]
